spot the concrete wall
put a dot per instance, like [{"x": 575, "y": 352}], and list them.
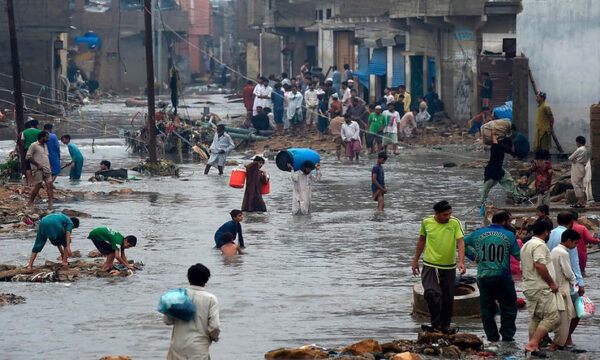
[{"x": 561, "y": 40}]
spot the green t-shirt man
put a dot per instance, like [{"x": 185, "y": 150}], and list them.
[
  {"x": 109, "y": 235},
  {"x": 440, "y": 242},
  {"x": 376, "y": 122},
  {"x": 29, "y": 136}
]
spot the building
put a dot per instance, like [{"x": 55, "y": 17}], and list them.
[
  {"x": 117, "y": 58},
  {"x": 561, "y": 41},
  {"x": 416, "y": 43},
  {"x": 42, "y": 42}
]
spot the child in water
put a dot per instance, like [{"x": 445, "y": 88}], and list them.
[{"x": 229, "y": 247}]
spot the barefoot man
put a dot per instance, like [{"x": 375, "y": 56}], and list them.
[
  {"x": 112, "y": 245},
  {"x": 57, "y": 228}
]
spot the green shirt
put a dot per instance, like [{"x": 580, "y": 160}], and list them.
[
  {"x": 30, "y": 136},
  {"x": 440, "y": 242},
  {"x": 109, "y": 235},
  {"x": 55, "y": 226},
  {"x": 376, "y": 122},
  {"x": 493, "y": 246}
]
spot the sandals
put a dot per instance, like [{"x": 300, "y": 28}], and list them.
[
  {"x": 536, "y": 353},
  {"x": 577, "y": 206}
]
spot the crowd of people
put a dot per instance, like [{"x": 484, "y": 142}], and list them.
[
  {"x": 548, "y": 261},
  {"x": 306, "y": 103}
]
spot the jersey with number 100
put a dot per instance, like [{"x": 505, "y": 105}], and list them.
[{"x": 493, "y": 247}]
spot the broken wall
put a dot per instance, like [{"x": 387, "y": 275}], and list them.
[{"x": 561, "y": 41}]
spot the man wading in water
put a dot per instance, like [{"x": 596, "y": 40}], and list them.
[{"x": 439, "y": 236}]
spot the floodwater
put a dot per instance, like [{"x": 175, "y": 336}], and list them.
[{"x": 337, "y": 276}]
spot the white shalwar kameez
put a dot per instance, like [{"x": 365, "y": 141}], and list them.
[
  {"x": 219, "y": 149},
  {"x": 302, "y": 191}
]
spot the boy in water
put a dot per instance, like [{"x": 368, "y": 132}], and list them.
[
  {"x": 229, "y": 247},
  {"x": 378, "y": 181},
  {"x": 112, "y": 245},
  {"x": 233, "y": 227}
]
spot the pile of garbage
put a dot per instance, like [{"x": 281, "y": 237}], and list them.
[
  {"x": 16, "y": 216},
  {"x": 55, "y": 272},
  {"x": 437, "y": 344},
  {"x": 161, "y": 168},
  {"x": 10, "y": 299},
  {"x": 561, "y": 190}
]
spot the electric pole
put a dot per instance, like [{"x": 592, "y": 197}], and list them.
[{"x": 150, "y": 82}]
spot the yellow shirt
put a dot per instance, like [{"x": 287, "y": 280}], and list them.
[
  {"x": 440, "y": 242},
  {"x": 544, "y": 113},
  {"x": 406, "y": 101}
]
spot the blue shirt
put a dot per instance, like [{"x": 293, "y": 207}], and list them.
[
  {"x": 277, "y": 98},
  {"x": 54, "y": 153},
  {"x": 337, "y": 79},
  {"x": 493, "y": 246},
  {"x": 232, "y": 227},
  {"x": 555, "y": 238},
  {"x": 378, "y": 170},
  {"x": 74, "y": 152}
]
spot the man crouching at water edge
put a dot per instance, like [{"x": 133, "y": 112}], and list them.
[
  {"x": 57, "y": 228},
  {"x": 439, "y": 236},
  {"x": 112, "y": 245},
  {"x": 191, "y": 339}
]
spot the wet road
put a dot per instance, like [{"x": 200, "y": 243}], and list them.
[{"x": 332, "y": 278}]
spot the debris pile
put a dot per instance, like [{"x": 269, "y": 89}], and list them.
[
  {"x": 55, "y": 272},
  {"x": 162, "y": 168},
  {"x": 10, "y": 170},
  {"x": 16, "y": 216},
  {"x": 10, "y": 299},
  {"x": 437, "y": 344}
]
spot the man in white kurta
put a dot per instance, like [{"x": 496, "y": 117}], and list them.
[
  {"x": 302, "y": 181},
  {"x": 262, "y": 95},
  {"x": 190, "y": 340},
  {"x": 579, "y": 159},
  {"x": 219, "y": 149}
]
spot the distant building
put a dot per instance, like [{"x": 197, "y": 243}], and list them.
[
  {"x": 561, "y": 40},
  {"x": 416, "y": 43},
  {"x": 42, "y": 34}
]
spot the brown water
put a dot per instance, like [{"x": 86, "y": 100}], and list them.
[{"x": 332, "y": 278}]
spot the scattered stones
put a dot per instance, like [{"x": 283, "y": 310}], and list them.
[
  {"x": 449, "y": 165},
  {"x": 55, "y": 272},
  {"x": 449, "y": 346},
  {"x": 75, "y": 213},
  {"x": 74, "y": 254},
  {"x": 94, "y": 254},
  {"x": 365, "y": 346},
  {"x": 11, "y": 299},
  {"x": 305, "y": 352},
  {"x": 111, "y": 357},
  {"x": 406, "y": 356}
]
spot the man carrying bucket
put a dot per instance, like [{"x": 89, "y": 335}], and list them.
[
  {"x": 302, "y": 181},
  {"x": 219, "y": 149}
]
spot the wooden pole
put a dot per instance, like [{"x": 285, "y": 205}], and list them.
[
  {"x": 17, "y": 91},
  {"x": 150, "y": 82}
]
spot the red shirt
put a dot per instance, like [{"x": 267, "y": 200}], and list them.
[
  {"x": 247, "y": 93},
  {"x": 586, "y": 238},
  {"x": 543, "y": 178}
]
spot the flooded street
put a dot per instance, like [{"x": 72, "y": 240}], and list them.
[{"x": 338, "y": 276}]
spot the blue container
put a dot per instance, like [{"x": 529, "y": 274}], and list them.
[{"x": 297, "y": 157}]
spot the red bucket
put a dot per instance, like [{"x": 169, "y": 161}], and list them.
[
  {"x": 266, "y": 188},
  {"x": 238, "y": 177}
]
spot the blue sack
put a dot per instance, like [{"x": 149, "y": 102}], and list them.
[{"x": 176, "y": 303}]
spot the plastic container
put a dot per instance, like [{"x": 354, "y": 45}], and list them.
[
  {"x": 266, "y": 188},
  {"x": 238, "y": 177},
  {"x": 296, "y": 157}
]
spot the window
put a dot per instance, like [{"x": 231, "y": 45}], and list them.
[
  {"x": 320, "y": 15},
  {"x": 328, "y": 16}
]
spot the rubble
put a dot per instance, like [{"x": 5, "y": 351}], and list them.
[
  {"x": 55, "y": 272},
  {"x": 437, "y": 344},
  {"x": 16, "y": 216},
  {"x": 11, "y": 299},
  {"x": 163, "y": 168},
  {"x": 112, "y": 357}
]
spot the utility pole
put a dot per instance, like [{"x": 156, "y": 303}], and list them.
[
  {"x": 150, "y": 81},
  {"x": 16, "y": 68}
]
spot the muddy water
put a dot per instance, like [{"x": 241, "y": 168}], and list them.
[{"x": 339, "y": 275}]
